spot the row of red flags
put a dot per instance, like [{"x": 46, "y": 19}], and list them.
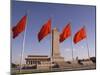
[{"x": 46, "y": 29}]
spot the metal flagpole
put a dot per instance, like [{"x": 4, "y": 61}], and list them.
[
  {"x": 51, "y": 51},
  {"x": 51, "y": 48},
  {"x": 87, "y": 44},
  {"x": 23, "y": 47},
  {"x": 87, "y": 48}
]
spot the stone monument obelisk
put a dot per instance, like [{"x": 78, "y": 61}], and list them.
[{"x": 56, "y": 56}]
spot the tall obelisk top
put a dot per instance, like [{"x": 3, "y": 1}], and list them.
[
  {"x": 55, "y": 43},
  {"x": 56, "y": 56},
  {"x": 55, "y": 29}
]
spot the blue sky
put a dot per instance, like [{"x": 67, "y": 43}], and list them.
[{"x": 61, "y": 15}]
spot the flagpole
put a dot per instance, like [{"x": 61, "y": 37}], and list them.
[
  {"x": 87, "y": 48},
  {"x": 87, "y": 44},
  {"x": 23, "y": 48},
  {"x": 51, "y": 51}
]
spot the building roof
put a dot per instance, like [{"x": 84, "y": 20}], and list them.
[{"x": 39, "y": 57}]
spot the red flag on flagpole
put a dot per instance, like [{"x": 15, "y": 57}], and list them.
[
  {"x": 20, "y": 27},
  {"x": 80, "y": 35},
  {"x": 65, "y": 33},
  {"x": 45, "y": 30}
]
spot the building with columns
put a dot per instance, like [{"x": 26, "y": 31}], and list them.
[{"x": 37, "y": 59}]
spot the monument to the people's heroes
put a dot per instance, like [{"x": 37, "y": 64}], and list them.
[
  {"x": 41, "y": 60},
  {"x": 56, "y": 55}
]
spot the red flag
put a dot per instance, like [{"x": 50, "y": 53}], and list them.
[
  {"x": 65, "y": 33},
  {"x": 80, "y": 35},
  {"x": 45, "y": 30},
  {"x": 19, "y": 27}
]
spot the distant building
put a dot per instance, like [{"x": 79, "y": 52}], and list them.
[
  {"x": 37, "y": 59},
  {"x": 40, "y": 61}
]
